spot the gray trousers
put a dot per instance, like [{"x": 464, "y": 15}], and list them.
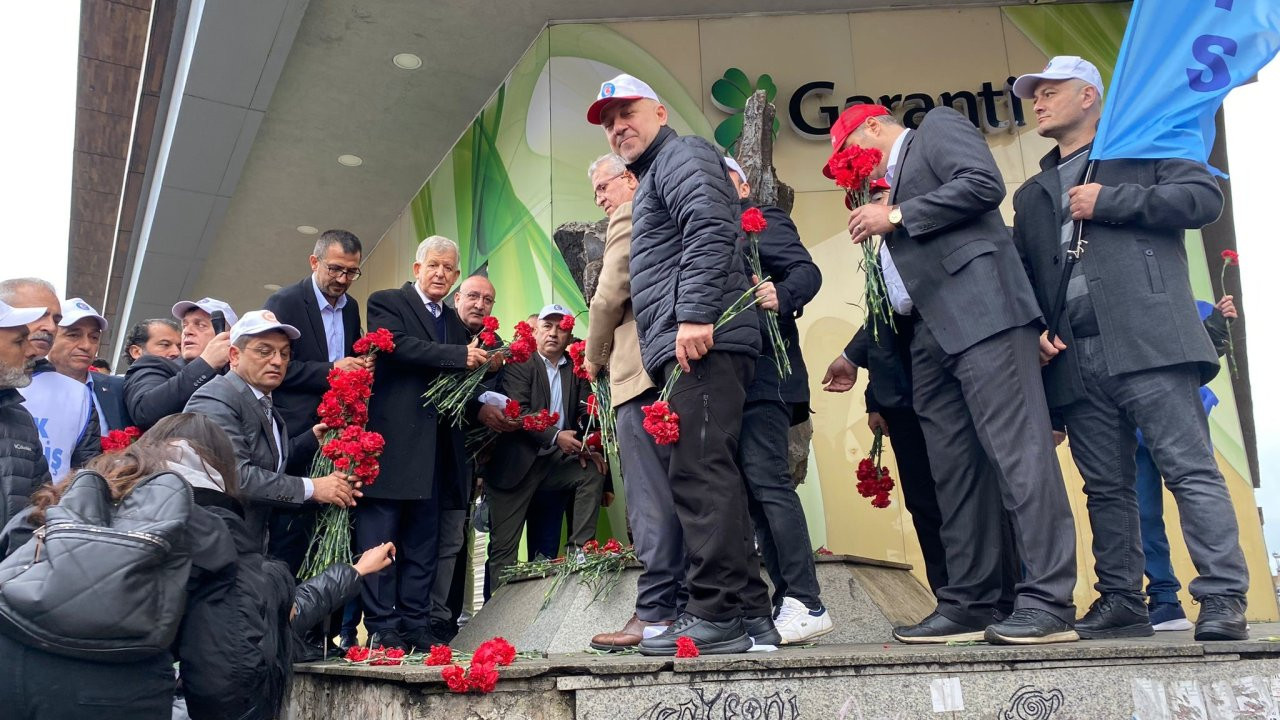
[
  {"x": 651, "y": 511},
  {"x": 452, "y": 535},
  {"x": 509, "y": 507},
  {"x": 988, "y": 403},
  {"x": 1164, "y": 403}
]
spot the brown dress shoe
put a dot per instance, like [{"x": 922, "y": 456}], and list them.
[{"x": 628, "y": 637}]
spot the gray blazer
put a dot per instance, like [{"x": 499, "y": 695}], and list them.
[
  {"x": 1135, "y": 264},
  {"x": 229, "y": 401},
  {"x": 953, "y": 250}
]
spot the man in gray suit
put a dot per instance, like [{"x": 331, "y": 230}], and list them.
[
  {"x": 1131, "y": 352},
  {"x": 240, "y": 403},
  {"x": 949, "y": 262}
]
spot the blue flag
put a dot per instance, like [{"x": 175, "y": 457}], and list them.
[{"x": 1177, "y": 62}]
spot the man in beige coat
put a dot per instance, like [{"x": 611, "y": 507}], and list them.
[{"x": 612, "y": 342}]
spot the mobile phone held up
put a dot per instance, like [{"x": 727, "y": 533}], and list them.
[{"x": 219, "y": 322}]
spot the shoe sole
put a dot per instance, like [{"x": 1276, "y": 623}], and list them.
[
  {"x": 1218, "y": 633},
  {"x": 996, "y": 638},
  {"x": 975, "y": 636},
  {"x": 1128, "y": 631},
  {"x": 812, "y": 636},
  {"x": 1173, "y": 625},
  {"x": 612, "y": 648},
  {"x": 724, "y": 647}
]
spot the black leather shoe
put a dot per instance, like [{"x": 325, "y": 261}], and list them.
[
  {"x": 937, "y": 628},
  {"x": 346, "y": 641},
  {"x": 711, "y": 637},
  {"x": 763, "y": 633},
  {"x": 1115, "y": 615},
  {"x": 1030, "y": 626},
  {"x": 1221, "y": 618},
  {"x": 420, "y": 640},
  {"x": 387, "y": 639}
]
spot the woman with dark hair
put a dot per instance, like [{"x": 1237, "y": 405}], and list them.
[{"x": 239, "y": 629}]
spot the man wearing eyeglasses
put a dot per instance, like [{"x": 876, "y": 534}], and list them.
[{"x": 330, "y": 323}]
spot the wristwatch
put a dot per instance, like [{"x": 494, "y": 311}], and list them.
[{"x": 895, "y": 215}]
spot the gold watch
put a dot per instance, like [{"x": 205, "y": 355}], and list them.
[{"x": 895, "y": 215}]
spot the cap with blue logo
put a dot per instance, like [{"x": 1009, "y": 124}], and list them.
[
  {"x": 623, "y": 87},
  {"x": 74, "y": 310},
  {"x": 552, "y": 310},
  {"x": 209, "y": 305}
]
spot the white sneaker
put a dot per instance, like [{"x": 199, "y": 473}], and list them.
[{"x": 798, "y": 624}]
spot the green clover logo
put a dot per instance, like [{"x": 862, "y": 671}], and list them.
[{"x": 730, "y": 94}]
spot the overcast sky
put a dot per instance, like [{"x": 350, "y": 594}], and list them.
[{"x": 38, "y": 54}]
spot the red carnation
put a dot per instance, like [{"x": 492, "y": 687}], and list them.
[
  {"x": 490, "y": 323},
  {"x": 685, "y": 647},
  {"x": 1231, "y": 257},
  {"x": 521, "y": 349},
  {"x": 661, "y": 422},
  {"x": 117, "y": 440},
  {"x": 378, "y": 340},
  {"x": 439, "y": 655},
  {"x": 613, "y": 546},
  {"x": 578, "y": 354},
  {"x": 853, "y": 166},
  {"x": 495, "y": 651},
  {"x": 590, "y": 547},
  {"x": 593, "y": 405},
  {"x": 753, "y": 220},
  {"x": 357, "y": 653},
  {"x": 390, "y": 656},
  {"x": 455, "y": 677},
  {"x": 540, "y": 421},
  {"x": 566, "y": 323},
  {"x": 512, "y": 410},
  {"x": 594, "y": 442},
  {"x": 488, "y": 338},
  {"x": 482, "y": 677}
]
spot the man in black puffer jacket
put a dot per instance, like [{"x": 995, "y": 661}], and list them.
[
  {"x": 23, "y": 467},
  {"x": 685, "y": 272}
]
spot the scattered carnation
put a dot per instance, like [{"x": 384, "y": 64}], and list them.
[
  {"x": 439, "y": 655},
  {"x": 388, "y": 656},
  {"x": 482, "y": 677},
  {"x": 685, "y": 647},
  {"x": 494, "y": 651},
  {"x": 357, "y": 653},
  {"x": 455, "y": 676}
]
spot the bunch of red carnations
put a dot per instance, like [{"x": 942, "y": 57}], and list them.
[
  {"x": 481, "y": 674},
  {"x": 851, "y": 169},
  {"x": 451, "y": 391},
  {"x": 117, "y": 440},
  {"x": 347, "y": 447},
  {"x": 874, "y": 480}
]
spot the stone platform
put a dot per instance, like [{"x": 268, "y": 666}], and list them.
[
  {"x": 867, "y": 598},
  {"x": 1162, "y": 678}
]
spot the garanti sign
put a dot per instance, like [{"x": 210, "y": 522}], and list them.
[{"x": 990, "y": 106}]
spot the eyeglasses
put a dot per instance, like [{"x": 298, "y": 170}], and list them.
[
  {"x": 478, "y": 297},
  {"x": 339, "y": 271},
  {"x": 601, "y": 187},
  {"x": 266, "y": 352}
]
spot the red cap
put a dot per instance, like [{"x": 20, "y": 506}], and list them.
[
  {"x": 850, "y": 120},
  {"x": 879, "y": 184}
]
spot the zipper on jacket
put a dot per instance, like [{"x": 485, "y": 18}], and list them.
[
  {"x": 706, "y": 420},
  {"x": 138, "y": 535}
]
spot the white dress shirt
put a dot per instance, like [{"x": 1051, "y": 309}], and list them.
[
  {"x": 308, "y": 487},
  {"x": 331, "y": 316},
  {"x": 557, "y": 395},
  {"x": 898, "y": 297}
]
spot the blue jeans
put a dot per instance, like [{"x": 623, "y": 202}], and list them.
[{"x": 1162, "y": 584}]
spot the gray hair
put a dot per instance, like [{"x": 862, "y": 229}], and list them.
[
  {"x": 436, "y": 243},
  {"x": 614, "y": 162},
  {"x": 9, "y": 288}
]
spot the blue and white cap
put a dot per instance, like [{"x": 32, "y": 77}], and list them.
[
  {"x": 553, "y": 309},
  {"x": 209, "y": 305},
  {"x": 74, "y": 310},
  {"x": 257, "y": 322},
  {"x": 1062, "y": 67},
  {"x": 623, "y": 87}
]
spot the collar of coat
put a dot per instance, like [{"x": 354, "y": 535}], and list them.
[{"x": 642, "y": 163}]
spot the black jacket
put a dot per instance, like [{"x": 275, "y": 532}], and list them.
[
  {"x": 307, "y": 377},
  {"x": 156, "y": 387},
  {"x": 108, "y": 393},
  {"x": 413, "y": 430},
  {"x": 887, "y": 360},
  {"x": 1135, "y": 264},
  {"x": 23, "y": 467},
  {"x": 514, "y": 452},
  {"x": 788, "y": 264},
  {"x": 684, "y": 267}
]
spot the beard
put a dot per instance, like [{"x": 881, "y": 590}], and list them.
[{"x": 16, "y": 377}]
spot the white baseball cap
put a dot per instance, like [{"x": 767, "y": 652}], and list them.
[
  {"x": 553, "y": 309},
  {"x": 734, "y": 166},
  {"x": 11, "y": 317},
  {"x": 623, "y": 87},
  {"x": 74, "y": 310},
  {"x": 257, "y": 322},
  {"x": 208, "y": 305},
  {"x": 1062, "y": 67}
]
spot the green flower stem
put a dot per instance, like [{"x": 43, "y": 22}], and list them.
[
  {"x": 744, "y": 301},
  {"x": 1231, "y": 343},
  {"x": 780, "y": 359}
]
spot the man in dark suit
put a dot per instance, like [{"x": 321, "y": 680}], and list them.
[
  {"x": 781, "y": 530},
  {"x": 156, "y": 386},
  {"x": 319, "y": 303},
  {"x": 74, "y": 348},
  {"x": 424, "y": 466},
  {"x": 526, "y": 461},
  {"x": 947, "y": 259},
  {"x": 1132, "y": 350},
  {"x": 241, "y": 403}
]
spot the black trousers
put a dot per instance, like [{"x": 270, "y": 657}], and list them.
[
  {"x": 36, "y": 685},
  {"x": 986, "y": 421},
  {"x": 399, "y": 597},
  {"x": 710, "y": 496},
  {"x": 918, "y": 490}
]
